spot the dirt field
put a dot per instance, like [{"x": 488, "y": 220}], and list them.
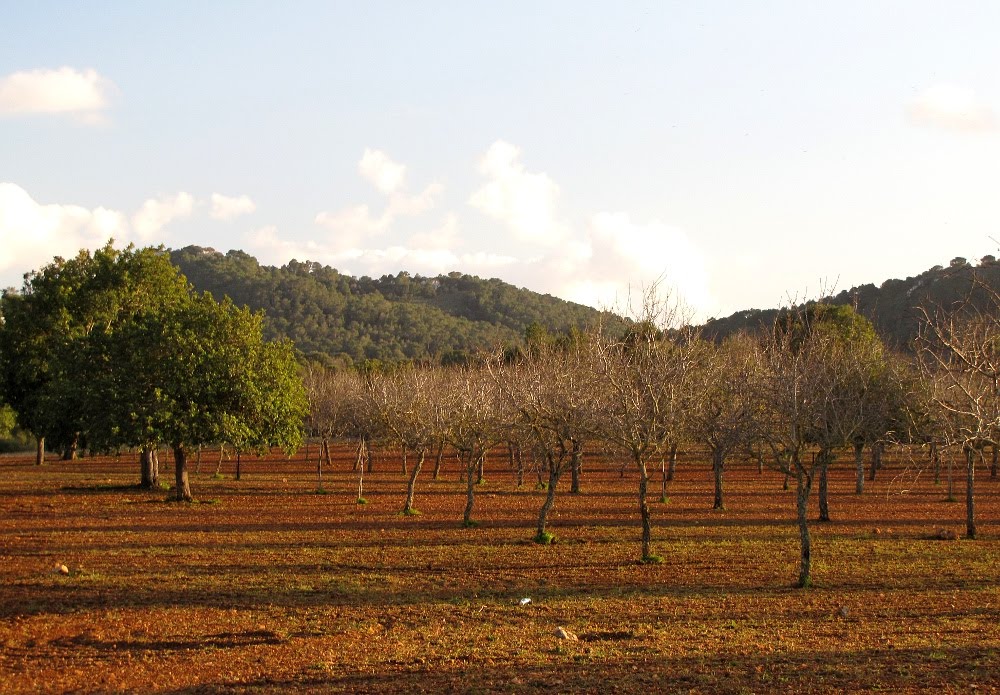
[{"x": 266, "y": 586}]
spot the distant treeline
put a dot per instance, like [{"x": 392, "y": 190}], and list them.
[
  {"x": 343, "y": 320},
  {"x": 893, "y": 308}
]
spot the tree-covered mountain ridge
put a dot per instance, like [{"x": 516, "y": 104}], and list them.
[
  {"x": 894, "y": 307},
  {"x": 343, "y": 320}
]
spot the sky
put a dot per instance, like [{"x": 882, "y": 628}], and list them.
[{"x": 733, "y": 155}]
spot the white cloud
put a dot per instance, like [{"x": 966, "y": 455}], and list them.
[
  {"x": 953, "y": 108},
  {"x": 524, "y": 201},
  {"x": 377, "y": 168},
  {"x": 153, "y": 215},
  {"x": 65, "y": 90},
  {"x": 227, "y": 208},
  {"x": 32, "y": 233},
  {"x": 357, "y": 224},
  {"x": 430, "y": 260}
]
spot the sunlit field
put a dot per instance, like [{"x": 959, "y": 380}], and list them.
[{"x": 267, "y": 584}]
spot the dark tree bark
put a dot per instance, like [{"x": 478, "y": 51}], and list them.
[
  {"x": 69, "y": 453},
  {"x": 824, "y": 487},
  {"x": 197, "y": 460},
  {"x": 181, "y": 474},
  {"x": 239, "y": 460},
  {"x": 718, "y": 461},
  {"x": 149, "y": 469},
  {"x": 802, "y": 509},
  {"x": 480, "y": 464},
  {"x": 859, "y": 468},
  {"x": 644, "y": 508},
  {"x": 970, "y": 500},
  {"x": 437, "y": 461},
  {"x": 936, "y": 461},
  {"x": 550, "y": 499},
  {"x": 576, "y": 467},
  {"x": 876, "y": 460},
  {"x": 412, "y": 484},
  {"x": 470, "y": 487},
  {"x": 672, "y": 462}
]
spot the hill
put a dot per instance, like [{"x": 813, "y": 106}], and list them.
[
  {"x": 893, "y": 307},
  {"x": 342, "y": 319}
]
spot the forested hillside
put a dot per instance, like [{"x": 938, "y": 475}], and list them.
[
  {"x": 893, "y": 307},
  {"x": 334, "y": 316}
]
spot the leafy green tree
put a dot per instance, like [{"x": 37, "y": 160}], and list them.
[
  {"x": 46, "y": 355},
  {"x": 199, "y": 373}
]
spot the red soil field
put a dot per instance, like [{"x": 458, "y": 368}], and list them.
[{"x": 265, "y": 585}]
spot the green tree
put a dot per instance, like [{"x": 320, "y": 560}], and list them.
[
  {"x": 199, "y": 373},
  {"x": 46, "y": 355}
]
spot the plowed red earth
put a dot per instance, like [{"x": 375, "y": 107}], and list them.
[{"x": 266, "y": 586}]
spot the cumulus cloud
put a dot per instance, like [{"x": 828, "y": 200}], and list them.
[
  {"x": 155, "y": 214},
  {"x": 374, "y": 261},
  {"x": 227, "y": 208},
  {"x": 377, "y": 168},
  {"x": 952, "y": 107},
  {"x": 607, "y": 260},
  {"x": 83, "y": 93},
  {"x": 357, "y": 224},
  {"x": 524, "y": 201},
  {"x": 32, "y": 233}
]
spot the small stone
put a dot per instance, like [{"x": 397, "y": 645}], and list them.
[
  {"x": 843, "y": 612},
  {"x": 62, "y": 569},
  {"x": 563, "y": 633}
]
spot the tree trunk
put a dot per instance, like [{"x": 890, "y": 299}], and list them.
[
  {"x": 470, "y": 487},
  {"x": 672, "y": 462},
  {"x": 951, "y": 479},
  {"x": 644, "y": 508},
  {"x": 859, "y": 468},
  {"x": 970, "y": 500},
  {"x": 576, "y": 466},
  {"x": 663, "y": 479},
  {"x": 222, "y": 452},
  {"x": 802, "y": 511},
  {"x": 149, "y": 469},
  {"x": 39, "y": 451},
  {"x": 239, "y": 471},
  {"x": 362, "y": 451},
  {"x": 437, "y": 461},
  {"x": 181, "y": 474},
  {"x": 520, "y": 466},
  {"x": 69, "y": 453},
  {"x": 824, "y": 487},
  {"x": 319, "y": 467},
  {"x": 412, "y": 484},
  {"x": 936, "y": 461},
  {"x": 550, "y": 499},
  {"x": 197, "y": 460},
  {"x": 717, "y": 469},
  {"x": 876, "y": 460},
  {"x": 480, "y": 478}
]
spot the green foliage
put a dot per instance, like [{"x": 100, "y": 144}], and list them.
[
  {"x": 394, "y": 318},
  {"x": 544, "y": 538},
  {"x": 361, "y": 500}
]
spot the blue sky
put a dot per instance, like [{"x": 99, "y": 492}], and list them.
[{"x": 742, "y": 153}]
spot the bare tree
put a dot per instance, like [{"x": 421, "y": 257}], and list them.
[
  {"x": 406, "y": 402},
  {"x": 552, "y": 394},
  {"x": 642, "y": 379},
  {"x": 722, "y": 410},
  {"x": 959, "y": 351},
  {"x": 472, "y": 415}
]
